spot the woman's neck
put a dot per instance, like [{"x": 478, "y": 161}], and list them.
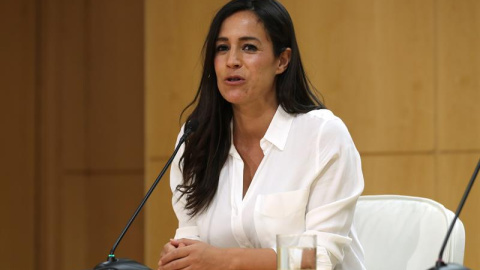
[{"x": 251, "y": 124}]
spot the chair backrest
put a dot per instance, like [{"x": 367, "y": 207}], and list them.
[{"x": 406, "y": 233}]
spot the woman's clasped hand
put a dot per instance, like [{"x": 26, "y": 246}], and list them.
[{"x": 190, "y": 254}]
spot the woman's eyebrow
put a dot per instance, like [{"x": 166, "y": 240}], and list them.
[
  {"x": 246, "y": 38},
  {"x": 249, "y": 38}
]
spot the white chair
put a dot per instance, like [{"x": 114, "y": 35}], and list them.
[{"x": 406, "y": 233}]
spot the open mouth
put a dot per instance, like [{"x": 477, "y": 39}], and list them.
[{"x": 234, "y": 79}]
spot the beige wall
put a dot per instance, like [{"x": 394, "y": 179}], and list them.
[
  {"x": 92, "y": 92},
  {"x": 17, "y": 128},
  {"x": 403, "y": 75},
  {"x": 72, "y": 131}
]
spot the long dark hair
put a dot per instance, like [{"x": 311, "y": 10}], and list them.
[{"x": 207, "y": 150}]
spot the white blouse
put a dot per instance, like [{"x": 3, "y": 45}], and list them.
[{"x": 308, "y": 182}]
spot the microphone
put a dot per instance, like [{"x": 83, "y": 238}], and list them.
[
  {"x": 440, "y": 265},
  {"x": 113, "y": 263}
]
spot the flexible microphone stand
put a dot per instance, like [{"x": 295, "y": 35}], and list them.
[
  {"x": 112, "y": 262},
  {"x": 440, "y": 264}
]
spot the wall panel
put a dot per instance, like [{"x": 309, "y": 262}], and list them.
[
  {"x": 115, "y": 96},
  {"x": 459, "y": 75},
  {"x": 92, "y": 130},
  {"x": 373, "y": 62},
  {"x": 72, "y": 60},
  {"x": 17, "y": 136},
  {"x": 71, "y": 74},
  {"x": 412, "y": 175},
  {"x": 48, "y": 137}
]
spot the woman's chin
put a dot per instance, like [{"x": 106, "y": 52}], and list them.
[{"x": 236, "y": 98}]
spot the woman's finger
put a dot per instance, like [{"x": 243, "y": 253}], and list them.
[
  {"x": 186, "y": 242},
  {"x": 174, "y": 255},
  {"x": 167, "y": 248},
  {"x": 177, "y": 264}
]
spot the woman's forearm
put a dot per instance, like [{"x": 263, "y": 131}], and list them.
[{"x": 251, "y": 258}]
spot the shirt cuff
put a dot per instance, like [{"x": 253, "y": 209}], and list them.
[{"x": 190, "y": 232}]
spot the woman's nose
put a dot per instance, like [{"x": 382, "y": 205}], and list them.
[{"x": 233, "y": 59}]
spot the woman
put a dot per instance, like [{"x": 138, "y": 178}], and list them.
[{"x": 267, "y": 158}]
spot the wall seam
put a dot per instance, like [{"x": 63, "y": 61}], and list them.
[
  {"x": 37, "y": 132},
  {"x": 435, "y": 100}
]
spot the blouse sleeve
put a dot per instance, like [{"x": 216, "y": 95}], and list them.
[
  {"x": 187, "y": 227},
  {"x": 334, "y": 192}
]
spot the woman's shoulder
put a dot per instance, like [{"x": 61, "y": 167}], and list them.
[
  {"x": 321, "y": 114},
  {"x": 323, "y": 122},
  {"x": 319, "y": 118}
]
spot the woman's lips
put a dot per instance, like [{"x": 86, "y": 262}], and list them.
[{"x": 234, "y": 80}]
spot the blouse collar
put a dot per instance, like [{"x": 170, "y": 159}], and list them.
[{"x": 277, "y": 132}]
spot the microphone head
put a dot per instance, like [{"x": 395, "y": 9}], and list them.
[{"x": 191, "y": 126}]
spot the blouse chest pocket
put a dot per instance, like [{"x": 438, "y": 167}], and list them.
[{"x": 280, "y": 213}]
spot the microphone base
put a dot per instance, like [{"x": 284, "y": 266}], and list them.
[
  {"x": 121, "y": 264},
  {"x": 450, "y": 266}
]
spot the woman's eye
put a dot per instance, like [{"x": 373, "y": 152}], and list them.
[
  {"x": 250, "y": 48},
  {"x": 221, "y": 48}
]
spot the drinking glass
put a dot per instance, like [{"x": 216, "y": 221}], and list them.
[{"x": 296, "y": 251}]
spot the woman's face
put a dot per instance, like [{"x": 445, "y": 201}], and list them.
[{"x": 245, "y": 64}]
